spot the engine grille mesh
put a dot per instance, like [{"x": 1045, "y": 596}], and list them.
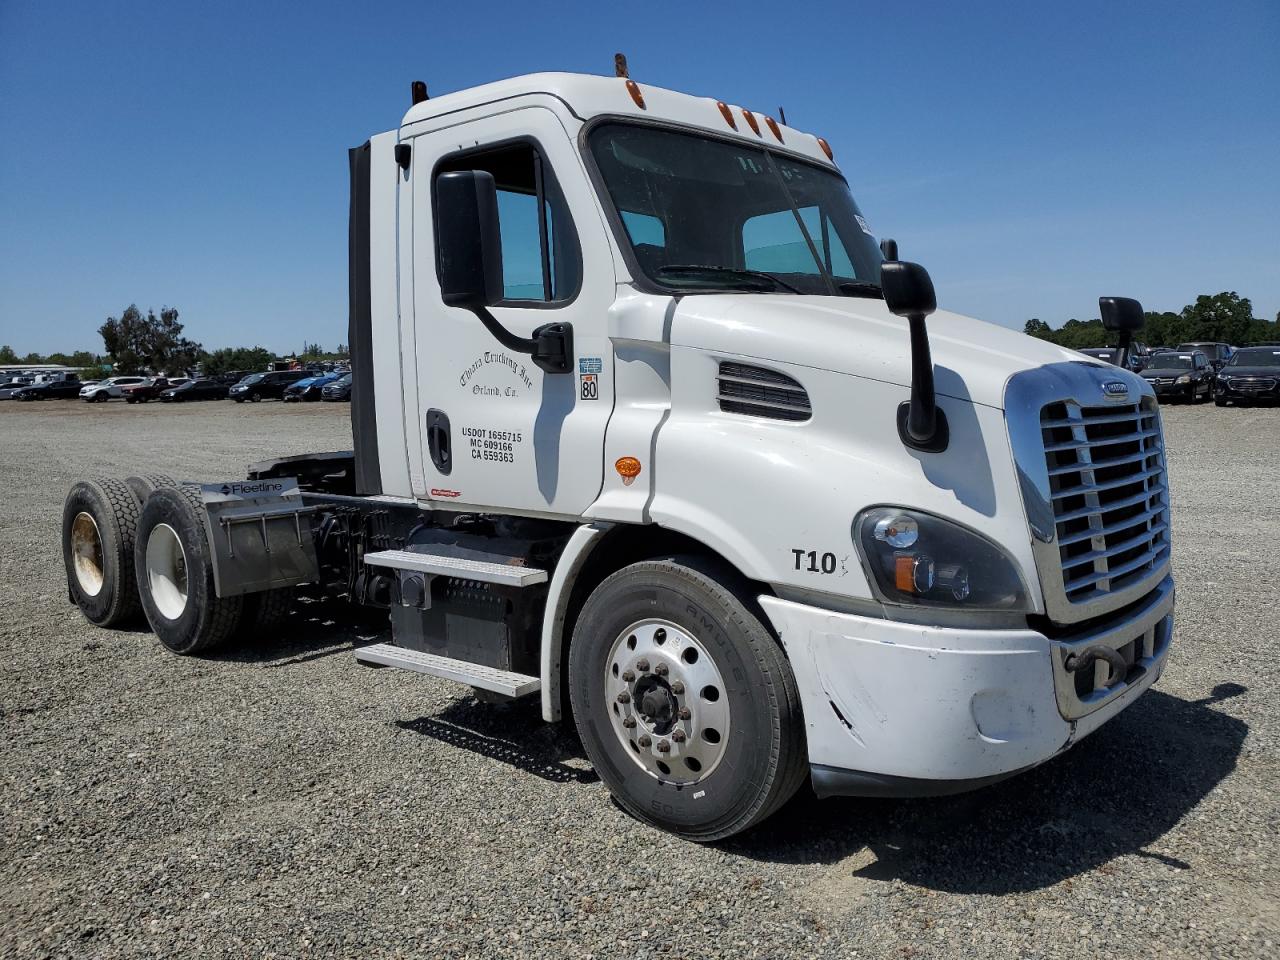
[
  {"x": 761, "y": 392},
  {"x": 1110, "y": 499}
]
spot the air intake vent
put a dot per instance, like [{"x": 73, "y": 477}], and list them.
[{"x": 760, "y": 392}]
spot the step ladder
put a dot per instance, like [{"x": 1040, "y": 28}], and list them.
[{"x": 505, "y": 682}]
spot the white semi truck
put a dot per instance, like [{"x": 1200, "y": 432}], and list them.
[{"x": 648, "y": 425}]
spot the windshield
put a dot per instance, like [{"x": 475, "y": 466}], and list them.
[
  {"x": 253, "y": 378},
  {"x": 1266, "y": 357},
  {"x": 706, "y": 214},
  {"x": 1208, "y": 349},
  {"x": 1174, "y": 361}
]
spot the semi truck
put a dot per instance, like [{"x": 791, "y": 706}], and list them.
[{"x": 650, "y": 426}]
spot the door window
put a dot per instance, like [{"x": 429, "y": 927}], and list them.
[{"x": 541, "y": 261}]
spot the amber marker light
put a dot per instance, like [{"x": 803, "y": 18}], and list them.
[
  {"x": 633, "y": 88},
  {"x": 628, "y": 469},
  {"x": 826, "y": 148},
  {"x": 727, "y": 114},
  {"x": 773, "y": 128},
  {"x": 751, "y": 122}
]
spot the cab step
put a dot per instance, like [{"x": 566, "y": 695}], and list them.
[
  {"x": 460, "y": 671},
  {"x": 439, "y": 565}
]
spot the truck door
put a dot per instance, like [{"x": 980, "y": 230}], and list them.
[{"x": 497, "y": 432}]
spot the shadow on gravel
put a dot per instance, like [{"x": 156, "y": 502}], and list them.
[
  {"x": 512, "y": 733},
  {"x": 316, "y": 627},
  {"x": 1116, "y": 792}
]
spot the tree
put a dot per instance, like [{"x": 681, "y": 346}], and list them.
[
  {"x": 7, "y": 355},
  {"x": 247, "y": 359},
  {"x": 136, "y": 343},
  {"x": 1224, "y": 317},
  {"x": 1038, "y": 328}
]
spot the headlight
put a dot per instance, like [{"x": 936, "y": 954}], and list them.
[
  {"x": 1185, "y": 378},
  {"x": 919, "y": 559}
]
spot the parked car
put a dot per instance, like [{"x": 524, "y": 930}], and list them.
[
  {"x": 1218, "y": 353},
  {"x": 101, "y": 391},
  {"x": 265, "y": 386},
  {"x": 309, "y": 388},
  {"x": 151, "y": 388},
  {"x": 1181, "y": 376},
  {"x": 340, "y": 389},
  {"x": 195, "y": 390},
  {"x": 50, "y": 390},
  {"x": 8, "y": 389},
  {"x": 1251, "y": 375}
]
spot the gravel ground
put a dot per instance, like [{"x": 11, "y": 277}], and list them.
[{"x": 277, "y": 801}]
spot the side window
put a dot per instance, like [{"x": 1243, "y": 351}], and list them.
[
  {"x": 541, "y": 261},
  {"x": 648, "y": 239}
]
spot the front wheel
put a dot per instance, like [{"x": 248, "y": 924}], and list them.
[
  {"x": 683, "y": 699},
  {"x": 255, "y": 396}
]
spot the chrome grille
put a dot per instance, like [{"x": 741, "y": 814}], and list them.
[
  {"x": 1108, "y": 495},
  {"x": 761, "y": 392},
  {"x": 1252, "y": 383}
]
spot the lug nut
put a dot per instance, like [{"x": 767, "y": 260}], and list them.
[
  {"x": 685, "y": 713},
  {"x": 628, "y": 676},
  {"x": 661, "y": 669},
  {"x": 660, "y": 635},
  {"x": 678, "y": 736},
  {"x": 642, "y": 665},
  {"x": 664, "y": 746},
  {"x": 677, "y": 688},
  {"x": 628, "y": 722},
  {"x": 645, "y": 740},
  {"x": 624, "y": 697}
]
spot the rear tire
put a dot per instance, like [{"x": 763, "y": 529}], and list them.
[
  {"x": 743, "y": 727},
  {"x": 99, "y": 526},
  {"x": 265, "y": 611},
  {"x": 175, "y": 574},
  {"x": 147, "y": 484}
]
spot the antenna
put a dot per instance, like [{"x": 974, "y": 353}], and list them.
[
  {"x": 418, "y": 92},
  {"x": 783, "y": 114},
  {"x": 620, "y": 65}
]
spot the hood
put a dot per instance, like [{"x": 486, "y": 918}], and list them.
[
  {"x": 1164, "y": 373},
  {"x": 972, "y": 359},
  {"x": 1249, "y": 371}
]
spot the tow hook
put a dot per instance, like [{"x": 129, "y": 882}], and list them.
[{"x": 1085, "y": 660}]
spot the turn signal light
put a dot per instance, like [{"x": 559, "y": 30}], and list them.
[{"x": 628, "y": 468}]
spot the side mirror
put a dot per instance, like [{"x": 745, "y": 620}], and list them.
[
  {"x": 1120, "y": 314},
  {"x": 468, "y": 241},
  {"x": 908, "y": 289}
]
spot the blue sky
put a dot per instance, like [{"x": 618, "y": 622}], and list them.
[{"x": 1031, "y": 155}]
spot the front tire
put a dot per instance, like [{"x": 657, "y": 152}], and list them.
[
  {"x": 99, "y": 526},
  {"x": 683, "y": 699},
  {"x": 175, "y": 575},
  {"x": 255, "y": 397}
]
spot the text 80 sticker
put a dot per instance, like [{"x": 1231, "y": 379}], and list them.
[{"x": 589, "y": 386}]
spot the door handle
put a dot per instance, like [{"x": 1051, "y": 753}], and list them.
[{"x": 439, "y": 441}]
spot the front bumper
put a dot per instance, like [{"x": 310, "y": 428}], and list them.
[
  {"x": 905, "y": 710},
  {"x": 1223, "y": 390},
  {"x": 1173, "y": 391}
]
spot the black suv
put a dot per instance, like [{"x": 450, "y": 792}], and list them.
[
  {"x": 265, "y": 386},
  {"x": 1252, "y": 374},
  {"x": 1180, "y": 376},
  {"x": 1218, "y": 353}
]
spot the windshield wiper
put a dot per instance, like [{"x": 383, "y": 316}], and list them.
[
  {"x": 860, "y": 288},
  {"x": 715, "y": 270}
]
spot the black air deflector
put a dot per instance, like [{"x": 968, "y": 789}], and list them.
[
  {"x": 364, "y": 420},
  {"x": 761, "y": 392}
]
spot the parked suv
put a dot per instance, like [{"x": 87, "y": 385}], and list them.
[
  {"x": 266, "y": 386},
  {"x": 1251, "y": 375},
  {"x": 1217, "y": 353},
  {"x": 104, "y": 390},
  {"x": 151, "y": 388},
  {"x": 1181, "y": 375}
]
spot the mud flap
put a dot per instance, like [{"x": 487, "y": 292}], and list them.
[{"x": 260, "y": 535}]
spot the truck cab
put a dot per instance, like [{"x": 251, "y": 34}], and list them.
[{"x": 649, "y": 423}]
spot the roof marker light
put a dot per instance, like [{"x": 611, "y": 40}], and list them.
[
  {"x": 826, "y": 148},
  {"x": 727, "y": 114},
  {"x": 773, "y": 127},
  {"x": 751, "y": 122},
  {"x": 633, "y": 88}
]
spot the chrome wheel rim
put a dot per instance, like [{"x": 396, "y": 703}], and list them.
[
  {"x": 667, "y": 701},
  {"x": 167, "y": 571},
  {"x": 86, "y": 554}
]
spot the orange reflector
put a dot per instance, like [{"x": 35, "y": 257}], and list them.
[
  {"x": 751, "y": 122},
  {"x": 826, "y": 148},
  {"x": 628, "y": 467},
  {"x": 773, "y": 127},
  {"x": 727, "y": 114},
  {"x": 633, "y": 88},
  {"x": 904, "y": 570}
]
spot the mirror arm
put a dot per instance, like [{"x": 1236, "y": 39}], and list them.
[
  {"x": 502, "y": 334},
  {"x": 921, "y": 425},
  {"x": 550, "y": 347}
]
